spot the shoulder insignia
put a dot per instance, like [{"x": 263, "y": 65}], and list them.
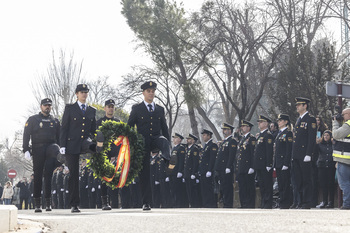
[
  {"x": 26, "y": 124},
  {"x": 269, "y": 141},
  {"x": 313, "y": 125},
  {"x": 214, "y": 148},
  {"x": 253, "y": 143},
  {"x": 233, "y": 145},
  {"x": 290, "y": 139},
  {"x": 195, "y": 153}
]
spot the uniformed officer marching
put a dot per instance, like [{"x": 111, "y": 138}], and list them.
[
  {"x": 43, "y": 130},
  {"x": 109, "y": 115},
  {"x": 191, "y": 170},
  {"x": 303, "y": 145},
  {"x": 206, "y": 169},
  {"x": 263, "y": 158},
  {"x": 149, "y": 119},
  {"x": 177, "y": 187},
  {"x": 224, "y": 164},
  {"x": 78, "y": 128},
  {"x": 282, "y": 160},
  {"x": 244, "y": 167}
]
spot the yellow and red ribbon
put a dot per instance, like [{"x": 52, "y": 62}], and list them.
[{"x": 122, "y": 160}]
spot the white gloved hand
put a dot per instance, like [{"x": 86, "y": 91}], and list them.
[
  {"x": 197, "y": 181},
  {"x": 251, "y": 171},
  {"x": 208, "y": 174},
  {"x": 268, "y": 169},
  {"x": 62, "y": 150},
  {"x": 62, "y": 190},
  {"x": 31, "y": 195},
  {"x": 54, "y": 192},
  {"x": 86, "y": 186},
  {"x": 284, "y": 168},
  {"x": 67, "y": 191},
  {"x": 99, "y": 186},
  {"x": 307, "y": 158},
  {"x": 227, "y": 170},
  {"x": 183, "y": 180},
  {"x": 167, "y": 179},
  {"x": 179, "y": 175},
  {"x": 156, "y": 182},
  {"x": 193, "y": 177},
  {"x": 219, "y": 182},
  {"x": 27, "y": 155},
  {"x": 93, "y": 190},
  {"x": 133, "y": 182}
]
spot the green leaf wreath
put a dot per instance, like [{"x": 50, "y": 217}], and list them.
[{"x": 99, "y": 162}]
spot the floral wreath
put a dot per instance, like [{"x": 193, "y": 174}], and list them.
[{"x": 129, "y": 160}]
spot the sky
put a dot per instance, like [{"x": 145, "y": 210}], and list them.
[{"x": 30, "y": 30}]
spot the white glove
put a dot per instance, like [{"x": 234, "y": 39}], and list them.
[
  {"x": 86, "y": 186},
  {"x": 167, "y": 179},
  {"x": 99, "y": 186},
  {"x": 251, "y": 171},
  {"x": 179, "y": 175},
  {"x": 27, "y": 155},
  {"x": 156, "y": 182},
  {"x": 193, "y": 177},
  {"x": 93, "y": 190},
  {"x": 284, "y": 168},
  {"x": 307, "y": 158},
  {"x": 183, "y": 180},
  {"x": 219, "y": 182},
  {"x": 227, "y": 170},
  {"x": 133, "y": 182},
  {"x": 208, "y": 174},
  {"x": 62, "y": 190},
  {"x": 31, "y": 195},
  {"x": 67, "y": 191},
  {"x": 63, "y": 151},
  {"x": 268, "y": 169},
  {"x": 197, "y": 181},
  {"x": 54, "y": 192}
]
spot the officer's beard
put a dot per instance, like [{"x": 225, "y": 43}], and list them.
[{"x": 46, "y": 112}]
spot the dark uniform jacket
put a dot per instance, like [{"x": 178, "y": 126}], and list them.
[
  {"x": 226, "y": 154},
  {"x": 42, "y": 130},
  {"x": 245, "y": 154},
  {"x": 263, "y": 151},
  {"x": 191, "y": 162},
  {"x": 149, "y": 124},
  {"x": 283, "y": 149},
  {"x": 179, "y": 151},
  {"x": 325, "y": 154},
  {"x": 76, "y": 127},
  {"x": 114, "y": 149},
  {"x": 60, "y": 177},
  {"x": 99, "y": 121},
  {"x": 154, "y": 168},
  {"x": 207, "y": 160},
  {"x": 304, "y": 137}
]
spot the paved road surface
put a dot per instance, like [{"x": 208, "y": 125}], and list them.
[{"x": 186, "y": 220}]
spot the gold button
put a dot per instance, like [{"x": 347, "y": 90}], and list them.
[
  {"x": 151, "y": 123},
  {"x": 151, "y": 117},
  {"x": 82, "y": 136},
  {"x": 150, "y": 134},
  {"x": 83, "y": 123},
  {"x": 150, "y": 128},
  {"x": 83, "y": 118},
  {"x": 82, "y": 130}
]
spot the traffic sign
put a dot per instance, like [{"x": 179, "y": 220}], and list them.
[
  {"x": 11, "y": 173},
  {"x": 332, "y": 90}
]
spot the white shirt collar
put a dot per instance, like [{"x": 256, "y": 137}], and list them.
[
  {"x": 228, "y": 137},
  {"x": 80, "y": 103},
  {"x": 301, "y": 117},
  {"x": 189, "y": 146},
  {"x": 283, "y": 129},
  {"x": 245, "y": 135},
  {"x": 263, "y": 130},
  {"x": 208, "y": 141},
  {"x": 148, "y": 104}
]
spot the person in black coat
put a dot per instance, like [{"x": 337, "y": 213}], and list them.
[
  {"x": 282, "y": 160},
  {"x": 303, "y": 146},
  {"x": 206, "y": 169},
  {"x": 263, "y": 158},
  {"x": 154, "y": 177},
  {"x": 244, "y": 167},
  {"x": 24, "y": 193},
  {"x": 149, "y": 119},
  {"x": 78, "y": 129},
  {"x": 65, "y": 185},
  {"x": 326, "y": 170}
]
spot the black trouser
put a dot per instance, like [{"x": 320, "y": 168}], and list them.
[
  {"x": 92, "y": 199},
  {"x": 303, "y": 181},
  {"x": 266, "y": 187},
  {"x": 25, "y": 200},
  {"x": 60, "y": 199},
  {"x": 226, "y": 188},
  {"x": 246, "y": 183},
  {"x": 113, "y": 197},
  {"x": 42, "y": 166},
  {"x": 73, "y": 181},
  {"x": 165, "y": 194},
  {"x": 191, "y": 192},
  {"x": 315, "y": 184},
  {"x": 155, "y": 195},
  {"x": 283, "y": 179},
  {"x": 326, "y": 177},
  {"x": 136, "y": 198},
  {"x": 207, "y": 190},
  {"x": 125, "y": 196},
  {"x": 178, "y": 191}
]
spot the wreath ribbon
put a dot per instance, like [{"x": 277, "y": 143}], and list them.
[{"x": 122, "y": 160}]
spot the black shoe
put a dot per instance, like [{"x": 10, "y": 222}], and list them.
[
  {"x": 75, "y": 209},
  {"x": 305, "y": 207},
  {"x": 321, "y": 205},
  {"x": 105, "y": 205},
  {"x": 146, "y": 207},
  {"x": 345, "y": 208},
  {"x": 294, "y": 206},
  {"x": 330, "y": 205}
]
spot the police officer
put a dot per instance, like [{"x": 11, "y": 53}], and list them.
[
  {"x": 206, "y": 168},
  {"x": 177, "y": 187},
  {"x": 245, "y": 171},
  {"x": 65, "y": 185},
  {"x": 191, "y": 169},
  {"x": 151, "y": 124},
  {"x": 60, "y": 187},
  {"x": 109, "y": 116},
  {"x": 224, "y": 164},
  {"x": 282, "y": 159},
  {"x": 78, "y": 128},
  {"x": 155, "y": 181},
  {"x": 263, "y": 158},
  {"x": 43, "y": 130},
  {"x": 303, "y": 145},
  {"x": 84, "y": 185}
]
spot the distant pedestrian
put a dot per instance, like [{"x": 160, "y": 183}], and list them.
[{"x": 7, "y": 193}]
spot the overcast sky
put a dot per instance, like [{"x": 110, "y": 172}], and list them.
[{"x": 30, "y": 30}]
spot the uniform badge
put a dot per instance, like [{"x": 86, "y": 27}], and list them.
[
  {"x": 290, "y": 139},
  {"x": 214, "y": 148},
  {"x": 302, "y": 125},
  {"x": 195, "y": 153},
  {"x": 269, "y": 141},
  {"x": 26, "y": 124},
  {"x": 84, "y": 85},
  {"x": 253, "y": 143},
  {"x": 41, "y": 124},
  {"x": 313, "y": 125},
  {"x": 150, "y": 83}
]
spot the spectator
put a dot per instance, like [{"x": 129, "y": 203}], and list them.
[
  {"x": 7, "y": 193},
  {"x": 24, "y": 193}
]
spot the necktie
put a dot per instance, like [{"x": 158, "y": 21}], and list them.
[
  {"x": 298, "y": 121},
  {"x": 83, "y": 108},
  {"x": 150, "y": 107}
]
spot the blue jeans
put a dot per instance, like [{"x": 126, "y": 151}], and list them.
[
  {"x": 343, "y": 174},
  {"x": 7, "y": 201}
]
